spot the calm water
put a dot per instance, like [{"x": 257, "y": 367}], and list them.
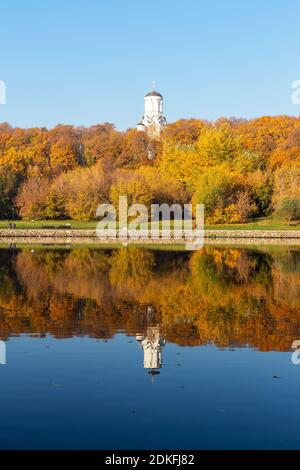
[{"x": 139, "y": 349}]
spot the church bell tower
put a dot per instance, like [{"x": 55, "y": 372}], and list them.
[{"x": 153, "y": 120}]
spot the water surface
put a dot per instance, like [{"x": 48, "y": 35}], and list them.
[{"x": 131, "y": 348}]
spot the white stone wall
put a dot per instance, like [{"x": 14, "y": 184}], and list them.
[
  {"x": 153, "y": 119},
  {"x": 153, "y": 105}
]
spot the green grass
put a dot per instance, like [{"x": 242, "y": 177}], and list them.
[
  {"x": 266, "y": 223},
  {"x": 39, "y": 224}
]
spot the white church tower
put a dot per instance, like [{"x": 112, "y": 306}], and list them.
[{"x": 153, "y": 120}]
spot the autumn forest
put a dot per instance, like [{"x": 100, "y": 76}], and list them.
[{"x": 240, "y": 169}]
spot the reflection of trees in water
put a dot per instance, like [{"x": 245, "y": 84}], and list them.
[
  {"x": 286, "y": 277},
  {"x": 131, "y": 269},
  {"x": 222, "y": 295}
]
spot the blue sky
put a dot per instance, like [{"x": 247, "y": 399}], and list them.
[{"x": 89, "y": 61}]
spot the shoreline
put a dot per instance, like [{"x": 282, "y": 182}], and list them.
[
  {"x": 71, "y": 237},
  {"x": 85, "y": 233}
]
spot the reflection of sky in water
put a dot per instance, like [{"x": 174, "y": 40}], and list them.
[
  {"x": 88, "y": 393},
  {"x": 132, "y": 349}
]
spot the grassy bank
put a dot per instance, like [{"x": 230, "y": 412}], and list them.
[{"x": 258, "y": 224}]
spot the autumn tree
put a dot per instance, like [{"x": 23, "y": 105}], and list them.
[
  {"x": 286, "y": 197},
  {"x": 102, "y": 142},
  {"x": 32, "y": 197},
  {"x": 133, "y": 186},
  {"x": 166, "y": 189},
  {"x": 135, "y": 151},
  {"x": 225, "y": 196},
  {"x": 184, "y": 131},
  {"x": 80, "y": 192},
  {"x": 187, "y": 162}
]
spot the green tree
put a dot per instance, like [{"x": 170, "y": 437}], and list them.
[{"x": 289, "y": 209}]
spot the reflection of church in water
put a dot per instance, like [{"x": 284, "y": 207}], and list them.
[{"x": 152, "y": 345}]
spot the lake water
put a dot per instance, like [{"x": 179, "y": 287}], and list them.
[{"x": 139, "y": 349}]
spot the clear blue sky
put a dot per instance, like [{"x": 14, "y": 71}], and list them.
[{"x": 89, "y": 61}]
